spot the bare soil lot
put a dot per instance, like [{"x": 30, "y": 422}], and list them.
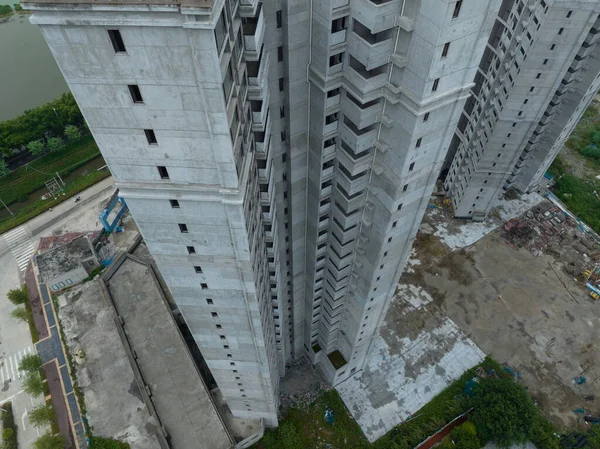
[{"x": 523, "y": 310}]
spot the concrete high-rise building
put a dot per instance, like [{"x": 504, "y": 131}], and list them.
[
  {"x": 277, "y": 157},
  {"x": 538, "y": 74}
]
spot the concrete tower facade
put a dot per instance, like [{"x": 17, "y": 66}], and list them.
[
  {"x": 387, "y": 82},
  {"x": 537, "y": 76},
  {"x": 176, "y": 96}
]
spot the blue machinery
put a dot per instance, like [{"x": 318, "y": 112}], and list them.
[{"x": 110, "y": 227}]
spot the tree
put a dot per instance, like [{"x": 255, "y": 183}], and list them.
[
  {"x": 4, "y": 170},
  {"x": 33, "y": 384},
  {"x": 55, "y": 144},
  {"x": 41, "y": 416},
  {"x": 72, "y": 132},
  {"x": 503, "y": 412},
  {"x": 31, "y": 363},
  {"x": 20, "y": 313},
  {"x": 35, "y": 147},
  {"x": 17, "y": 296},
  {"x": 49, "y": 441}
]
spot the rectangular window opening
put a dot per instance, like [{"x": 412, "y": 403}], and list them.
[
  {"x": 117, "y": 41},
  {"x": 457, "y": 7},
  {"x": 136, "y": 95},
  {"x": 163, "y": 172},
  {"x": 445, "y": 49},
  {"x": 150, "y": 136}
]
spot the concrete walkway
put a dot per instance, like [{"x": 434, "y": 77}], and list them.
[{"x": 59, "y": 380}]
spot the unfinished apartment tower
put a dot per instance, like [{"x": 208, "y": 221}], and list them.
[
  {"x": 277, "y": 157},
  {"x": 538, "y": 74},
  {"x": 176, "y": 96},
  {"x": 387, "y": 81}
]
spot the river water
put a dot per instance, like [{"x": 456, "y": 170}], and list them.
[{"x": 29, "y": 75}]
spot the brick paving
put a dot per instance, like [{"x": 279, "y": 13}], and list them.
[{"x": 61, "y": 386}]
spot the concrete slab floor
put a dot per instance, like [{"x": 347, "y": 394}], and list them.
[
  {"x": 419, "y": 353},
  {"x": 522, "y": 310}
]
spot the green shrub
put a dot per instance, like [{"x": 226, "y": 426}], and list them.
[
  {"x": 465, "y": 436},
  {"x": 8, "y": 434},
  {"x": 55, "y": 144},
  {"x": 8, "y": 424},
  {"x": 72, "y": 132},
  {"x": 36, "y": 147}
]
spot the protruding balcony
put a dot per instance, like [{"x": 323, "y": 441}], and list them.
[
  {"x": 335, "y": 64},
  {"x": 377, "y": 15},
  {"x": 365, "y": 80},
  {"x": 332, "y": 100},
  {"x": 371, "y": 49},
  {"x": 338, "y": 3},
  {"x": 358, "y": 139},
  {"x": 337, "y": 38},
  {"x": 355, "y": 163},
  {"x": 362, "y": 115},
  {"x": 262, "y": 141},
  {"x": 257, "y": 77},
  {"x": 248, "y": 8},
  {"x": 259, "y": 114},
  {"x": 254, "y": 33},
  {"x": 331, "y": 124}
]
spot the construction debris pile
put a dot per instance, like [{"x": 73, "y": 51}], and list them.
[{"x": 545, "y": 229}]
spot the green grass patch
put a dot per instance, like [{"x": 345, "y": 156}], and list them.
[
  {"x": 19, "y": 183},
  {"x": 578, "y": 195},
  {"x": 96, "y": 271},
  {"x": 107, "y": 443},
  {"x": 586, "y": 133},
  {"x": 40, "y": 206},
  {"x": 8, "y": 425},
  {"x": 31, "y": 322},
  {"x": 306, "y": 427}
]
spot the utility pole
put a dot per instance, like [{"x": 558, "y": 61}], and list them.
[{"x": 4, "y": 204}]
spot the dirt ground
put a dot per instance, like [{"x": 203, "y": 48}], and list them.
[{"x": 524, "y": 311}]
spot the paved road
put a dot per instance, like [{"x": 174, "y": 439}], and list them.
[{"x": 14, "y": 335}]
